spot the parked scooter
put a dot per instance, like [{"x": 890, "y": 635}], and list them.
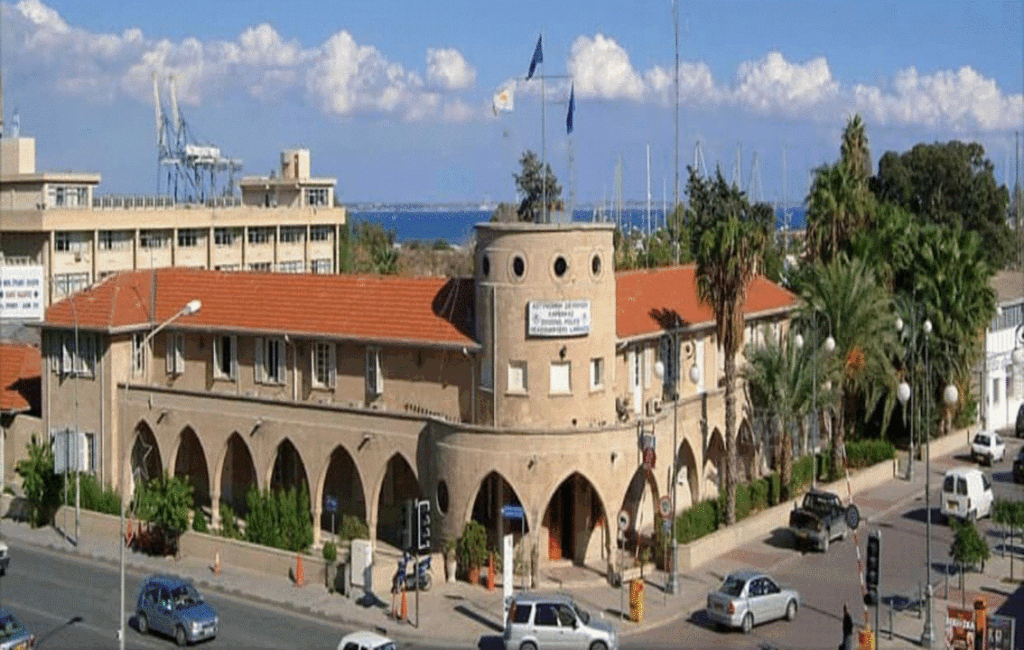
[{"x": 404, "y": 579}]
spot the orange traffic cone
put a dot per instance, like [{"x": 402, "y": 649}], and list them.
[
  {"x": 300, "y": 578},
  {"x": 405, "y": 608},
  {"x": 216, "y": 563},
  {"x": 490, "y": 572}
]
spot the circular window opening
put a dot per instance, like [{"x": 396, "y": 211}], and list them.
[
  {"x": 442, "y": 497},
  {"x": 518, "y": 266},
  {"x": 595, "y": 265},
  {"x": 485, "y": 266},
  {"x": 561, "y": 266}
]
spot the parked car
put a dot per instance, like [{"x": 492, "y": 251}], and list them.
[
  {"x": 966, "y": 494},
  {"x": 1018, "y": 467},
  {"x": 988, "y": 446},
  {"x": 821, "y": 518},
  {"x": 5, "y": 556},
  {"x": 539, "y": 621},
  {"x": 13, "y": 635},
  {"x": 748, "y": 598},
  {"x": 1018, "y": 428},
  {"x": 366, "y": 641},
  {"x": 172, "y": 606}
]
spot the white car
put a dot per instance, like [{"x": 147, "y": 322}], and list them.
[
  {"x": 366, "y": 641},
  {"x": 988, "y": 446}
]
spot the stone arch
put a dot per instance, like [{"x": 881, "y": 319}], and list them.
[
  {"x": 398, "y": 484},
  {"x": 746, "y": 453},
  {"x": 237, "y": 473},
  {"x": 686, "y": 475},
  {"x": 714, "y": 465},
  {"x": 288, "y": 470},
  {"x": 145, "y": 460},
  {"x": 190, "y": 464},
  {"x": 341, "y": 480},
  {"x": 573, "y": 514},
  {"x": 493, "y": 493},
  {"x": 641, "y": 502}
]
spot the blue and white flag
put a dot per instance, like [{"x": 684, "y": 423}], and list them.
[
  {"x": 572, "y": 109},
  {"x": 538, "y": 57},
  {"x": 504, "y": 100}
]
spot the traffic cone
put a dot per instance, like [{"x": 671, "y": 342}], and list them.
[
  {"x": 490, "y": 572},
  {"x": 405, "y": 608},
  {"x": 216, "y": 563},
  {"x": 300, "y": 577}
]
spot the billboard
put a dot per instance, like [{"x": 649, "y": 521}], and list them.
[
  {"x": 559, "y": 318},
  {"x": 21, "y": 292}
]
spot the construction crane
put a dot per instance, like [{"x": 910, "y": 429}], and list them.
[{"x": 193, "y": 169}]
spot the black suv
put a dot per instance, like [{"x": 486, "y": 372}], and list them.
[
  {"x": 1018, "y": 467},
  {"x": 1019, "y": 428}
]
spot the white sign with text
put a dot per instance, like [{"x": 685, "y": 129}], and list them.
[
  {"x": 21, "y": 292},
  {"x": 559, "y": 317}
]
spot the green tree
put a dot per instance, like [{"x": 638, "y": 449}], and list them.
[
  {"x": 951, "y": 184},
  {"x": 727, "y": 261},
  {"x": 843, "y": 299},
  {"x": 166, "y": 502},
  {"x": 42, "y": 486},
  {"x": 531, "y": 184},
  {"x": 969, "y": 548},
  {"x": 377, "y": 246}
]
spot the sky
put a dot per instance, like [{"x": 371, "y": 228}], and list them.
[{"x": 396, "y": 99}]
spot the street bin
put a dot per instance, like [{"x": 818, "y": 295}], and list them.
[
  {"x": 636, "y": 600},
  {"x": 866, "y": 640}
]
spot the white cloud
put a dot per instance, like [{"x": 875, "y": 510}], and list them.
[
  {"x": 776, "y": 86},
  {"x": 448, "y": 69},
  {"x": 600, "y": 68}
]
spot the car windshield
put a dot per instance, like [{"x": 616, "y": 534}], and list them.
[
  {"x": 185, "y": 596},
  {"x": 10, "y": 627},
  {"x": 386, "y": 646},
  {"x": 981, "y": 440},
  {"x": 582, "y": 614},
  {"x": 732, "y": 586}
]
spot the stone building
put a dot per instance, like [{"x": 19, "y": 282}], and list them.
[{"x": 544, "y": 380}]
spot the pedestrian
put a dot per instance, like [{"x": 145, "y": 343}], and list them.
[{"x": 847, "y": 643}]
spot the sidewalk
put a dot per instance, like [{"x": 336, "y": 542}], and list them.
[{"x": 479, "y": 613}]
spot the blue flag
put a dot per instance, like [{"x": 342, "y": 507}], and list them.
[
  {"x": 572, "y": 108},
  {"x": 538, "y": 57}
]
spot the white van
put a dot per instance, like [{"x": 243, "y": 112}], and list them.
[{"x": 966, "y": 494}]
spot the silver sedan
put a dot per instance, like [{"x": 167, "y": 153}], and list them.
[{"x": 749, "y": 598}]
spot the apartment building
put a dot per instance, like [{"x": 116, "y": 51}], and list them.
[
  {"x": 58, "y": 235},
  {"x": 545, "y": 380}
]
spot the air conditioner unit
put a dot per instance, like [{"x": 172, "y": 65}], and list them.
[
  {"x": 656, "y": 403},
  {"x": 650, "y": 409}
]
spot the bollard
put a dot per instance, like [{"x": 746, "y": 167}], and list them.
[
  {"x": 866, "y": 640},
  {"x": 216, "y": 563},
  {"x": 890, "y": 619},
  {"x": 920, "y": 601},
  {"x": 300, "y": 574},
  {"x": 405, "y": 608},
  {"x": 636, "y": 600}
]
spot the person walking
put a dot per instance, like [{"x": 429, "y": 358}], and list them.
[{"x": 847, "y": 643}]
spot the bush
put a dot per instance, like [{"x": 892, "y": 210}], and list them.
[
  {"x": 330, "y": 552},
  {"x": 279, "y": 518},
  {"x": 165, "y": 502},
  {"x": 96, "y": 498},
  {"x": 228, "y": 523},
  {"x": 352, "y": 527},
  {"x": 199, "y": 521},
  {"x": 42, "y": 486},
  {"x": 472, "y": 546},
  {"x": 865, "y": 453},
  {"x": 697, "y": 521},
  {"x": 803, "y": 470}
]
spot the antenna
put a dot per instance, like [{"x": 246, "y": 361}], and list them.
[{"x": 1, "y": 103}]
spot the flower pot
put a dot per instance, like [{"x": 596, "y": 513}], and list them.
[{"x": 474, "y": 575}]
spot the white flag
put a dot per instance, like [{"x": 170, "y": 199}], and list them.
[{"x": 503, "y": 100}]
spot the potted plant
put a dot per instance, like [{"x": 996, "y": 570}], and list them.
[
  {"x": 450, "y": 563},
  {"x": 472, "y": 550}
]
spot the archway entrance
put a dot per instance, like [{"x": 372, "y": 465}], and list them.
[
  {"x": 495, "y": 493},
  {"x": 746, "y": 453},
  {"x": 575, "y": 522},
  {"x": 714, "y": 465},
  {"x": 237, "y": 475},
  {"x": 641, "y": 502},
  {"x": 190, "y": 464},
  {"x": 399, "y": 484},
  {"x": 289, "y": 470},
  {"x": 343, "y": 484},
  {"x": 687, "y": 479},
  {"x": 145, "y": 457}
]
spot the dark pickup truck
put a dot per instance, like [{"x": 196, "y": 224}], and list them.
[{"x": 821, "y": 518}]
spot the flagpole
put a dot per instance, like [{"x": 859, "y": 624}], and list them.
[{"x": 543, "y": 139}]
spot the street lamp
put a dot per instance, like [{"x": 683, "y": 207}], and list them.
[
  {"x": 190, "y": 308},
  {"x": 830, "y": 346}
]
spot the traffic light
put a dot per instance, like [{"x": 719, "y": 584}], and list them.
[
  {"x": 408, "y": 524},
  {"x": 423, "y": 526},
  {"x": 873, "y": 568}
]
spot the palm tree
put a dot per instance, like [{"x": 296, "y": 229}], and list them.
[
  {"x": 727, "y": 261},
  {"x": 844, "y": 299}
]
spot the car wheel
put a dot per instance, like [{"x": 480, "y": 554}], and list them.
[
  {"x": 598, "y": 645},
  {"x": 791, "y": 610},
  {"x": 179, "y": 636},
  {"x": 748, "y": 623},
  {"x": 528, "y": 646},
  {"x": 825, "y": 541},
  {"x": 426, "y": 582},
  {"x": 143, "y": 624}
]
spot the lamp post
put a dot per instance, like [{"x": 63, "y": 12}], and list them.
[
  {"x": 830, "y": 346},
  {"x": 190, "y": 308}
]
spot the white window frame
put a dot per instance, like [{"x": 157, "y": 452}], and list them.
[
  {"x": 269, "y": 366},
  {"x": 225, "y": 236},
  {"x": 85, "y": 359},
  {"x": 188, "y": 237},
  {"x": 518, "y": 379},
  {"x": 218, "y": 345},
  {"x": 597, "y": 373},
  {"x": 292, "y": 234},
  {"x": 316, "y": 197},
  {"x": 374, "y": 372},
  {"x": 260, "y": 235},
  {"x": 567, "y": 365},
  {"x": 322, "y": 364},
  {"x": 320, "y": 265},
  {"x": 138, "y": 354},
  {"x": 291, "y": 266},
  {"x": 175, "y": 353},
  {"x": 152, "y": 239},
  {"x": 320, "y": 233}
]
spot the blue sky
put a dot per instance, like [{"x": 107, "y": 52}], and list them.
[{"x": 395, "y": 98}]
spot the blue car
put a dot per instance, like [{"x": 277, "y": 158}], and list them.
[
  {"x": 172, "y": 606},
  {"x": 13, "y": 635}
]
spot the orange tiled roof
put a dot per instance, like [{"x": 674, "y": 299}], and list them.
[
  {"x": 429, "y": 310},
  {"x": 648, "y": 301},
  {"x": 19, "y": 364}
]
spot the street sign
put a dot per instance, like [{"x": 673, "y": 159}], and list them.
[
  {"x": 330, "y": 504},
  {"x": 665, "y": 506},
  {"x": 623, "y": 520},
  {"x": 513, "y": 512},
  {"x": 666, "y": 526}
]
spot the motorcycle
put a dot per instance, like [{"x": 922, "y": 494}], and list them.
[{"x": 403, "y": 576}]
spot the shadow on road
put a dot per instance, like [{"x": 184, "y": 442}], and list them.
[
  {"x": 1013, "y": 607},
  {"x": 491, "y": 643},
  {"x": 918, "y": 515},
  {"x": 470, "y": 614},
  {"x": 781, "y": 538}
]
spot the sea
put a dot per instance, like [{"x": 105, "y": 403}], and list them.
[{"x": 455, "y": 225}]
